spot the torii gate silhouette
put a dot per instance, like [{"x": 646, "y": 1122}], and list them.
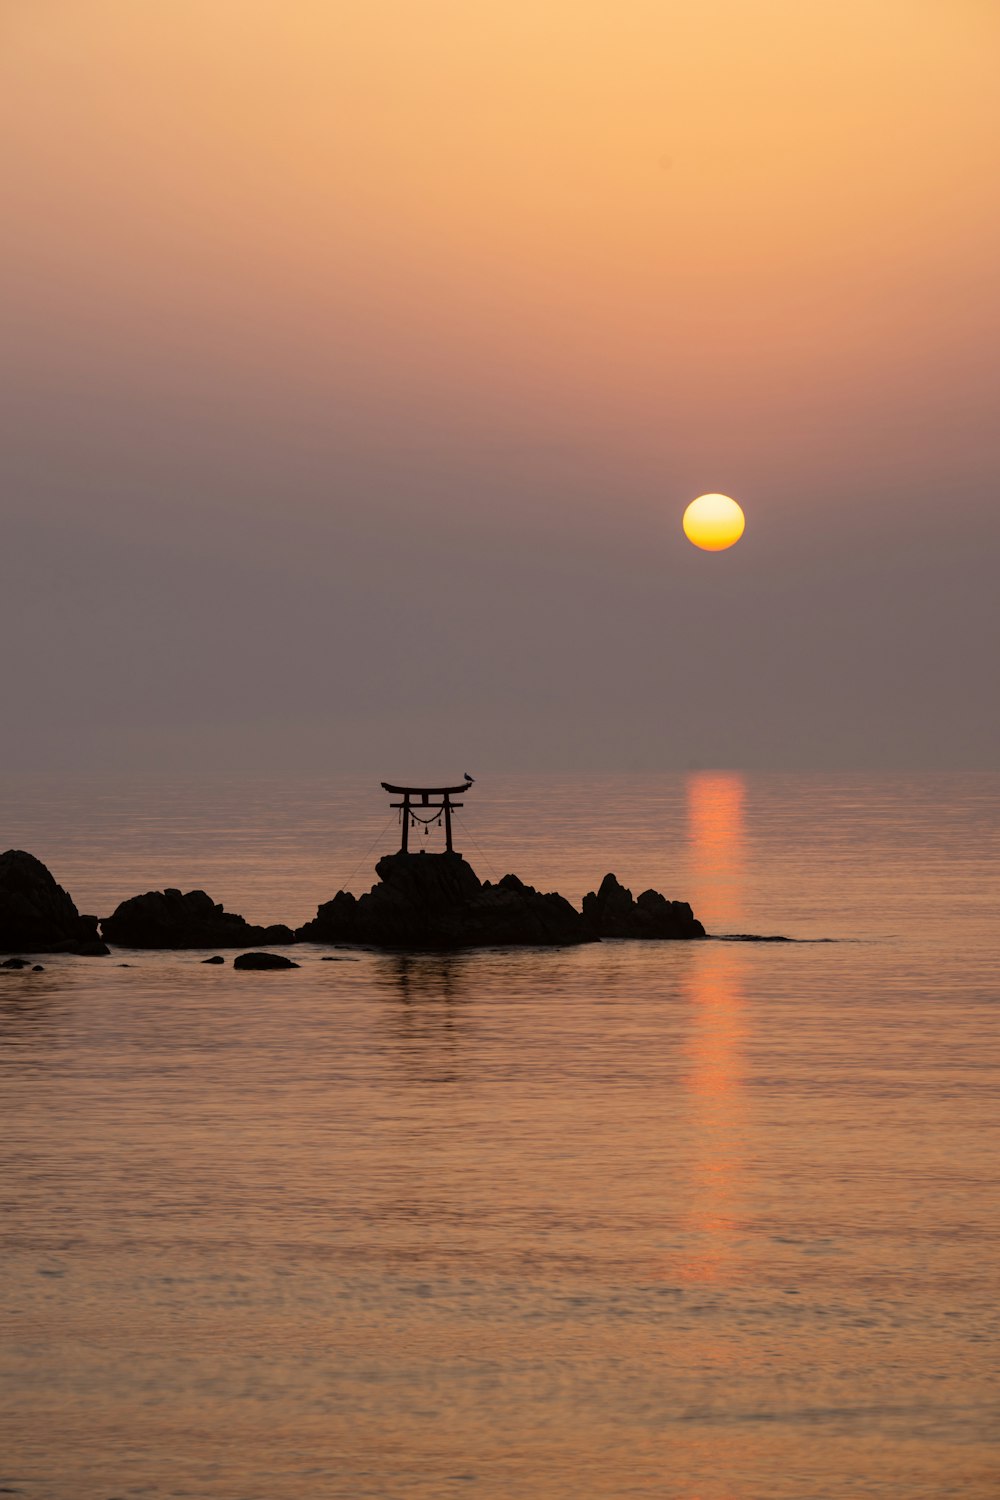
[{"x": 418, "y": 798}]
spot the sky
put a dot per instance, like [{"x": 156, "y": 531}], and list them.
[{"x": 361, "y": 357}]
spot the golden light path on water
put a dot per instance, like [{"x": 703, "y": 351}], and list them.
[{"x": 718, "y": 1021}]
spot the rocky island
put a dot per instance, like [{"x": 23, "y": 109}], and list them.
[
  {"x": 421, "y": 901},
  {"x": 438, "y": 901}
]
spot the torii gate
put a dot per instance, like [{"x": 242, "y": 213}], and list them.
[{"x": 419, "y": 797}]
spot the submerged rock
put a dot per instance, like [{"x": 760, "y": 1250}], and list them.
[
  {"x": 437, "y": 901},
  {"x": 216, "y": 958},
  {"x": 612, "y": 913},
  {"x": 756, "y": 937},
  {"x": 263, "y": 961},
  {"x": 37, "y": 915},
  {"x": 172, "y": 919}
]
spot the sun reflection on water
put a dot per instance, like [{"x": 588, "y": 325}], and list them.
[
  {"x": 715, "y": 832},
  {"x": 718, "y": 1023}
]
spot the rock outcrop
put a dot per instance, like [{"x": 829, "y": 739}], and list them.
[
  {"x": 612, "y": 913},
  {"x": 37, "y": 915},
  {"x": 437, "y": 901},
  {"x": 264, "y": 961},
  {"x": 172, "y": 919}
]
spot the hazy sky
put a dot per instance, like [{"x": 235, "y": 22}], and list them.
[{"x": 361, "y": 356}]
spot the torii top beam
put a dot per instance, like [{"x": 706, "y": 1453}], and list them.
[{"x": 424, "y": 791}]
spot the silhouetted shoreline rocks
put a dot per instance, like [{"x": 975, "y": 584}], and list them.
[
  {"x": 37, "y": 915},
  {"x": 437, "y": 901},
  {"x": 421, "y": 901},
  {"x": 610, "y": 912},
  {"x": 175, "y": 919}
]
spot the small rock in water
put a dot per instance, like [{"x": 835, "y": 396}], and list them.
[
  {"x": 15, "y": 963},
  {"x": 38, "y": 968},
  {"x": 753, "y": 937},
  {"x": 216, "y": 958},
  {"x": 263, "y": 961}
]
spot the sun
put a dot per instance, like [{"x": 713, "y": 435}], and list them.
[{"x": 713, "y": 522}]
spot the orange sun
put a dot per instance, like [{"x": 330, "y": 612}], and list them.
[{"x": 713, "y": 522}]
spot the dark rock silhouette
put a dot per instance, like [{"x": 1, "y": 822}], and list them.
[
  {"x": 15, "y": 963},
  {"x": 263, "y": 961},
  {"x": 612, "y": 913},
  {"x": 172, "y": 919},
  {"x": 422, "y": 901},
  {"x": 437, "y": 901},
  {"x": 756, "y": 937},
  {"x": 511, "y": 912},
  {"x": 37, "y": 915}
]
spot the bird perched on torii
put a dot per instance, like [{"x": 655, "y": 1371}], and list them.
[{"x": 469, "y": 779}]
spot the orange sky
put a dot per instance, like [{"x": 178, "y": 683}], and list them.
[
  {"x": 634, "y": 215},
  {"x": 637, "y": 250}
]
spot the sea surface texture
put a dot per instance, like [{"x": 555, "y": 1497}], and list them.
[{"x": 694, "y": 1221}]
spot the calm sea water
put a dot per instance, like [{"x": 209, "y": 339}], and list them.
[{"x": 709, "y": 1221}]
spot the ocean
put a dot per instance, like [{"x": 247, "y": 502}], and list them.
[{"x": 699, "y": 1221}]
